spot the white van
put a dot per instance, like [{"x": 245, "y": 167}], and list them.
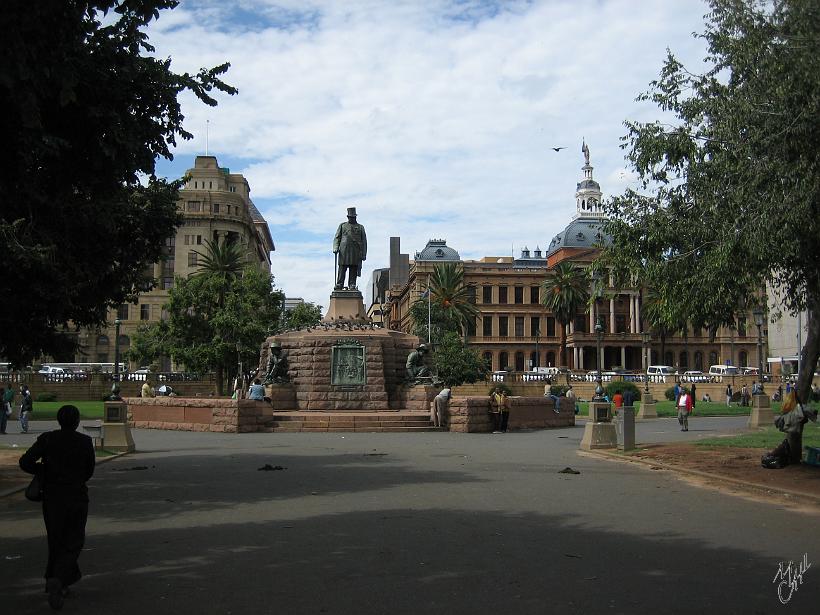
[
  {"x": 717, "y": 372},
  {"x": 659, "y": 373}
]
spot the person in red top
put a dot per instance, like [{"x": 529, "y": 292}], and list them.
[
  {"x": 618, "y": 400},
  {"x": 684, "y": 409}
]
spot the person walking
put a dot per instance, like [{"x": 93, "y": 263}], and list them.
[
  {"x": 728, "y": 394},
  {"x": 5, "y": 407},
  {"x": 26, "y": 408},
  {"x": 66, "y": 460},
  {"x": 694, "y": 395},
  {"x": 684, "y": 408}
]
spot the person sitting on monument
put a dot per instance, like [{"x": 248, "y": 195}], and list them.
[
  {"x": 415, "y": 364},
  {"x": 277, "y": 368},
  {"x": 256, "y": 391}
]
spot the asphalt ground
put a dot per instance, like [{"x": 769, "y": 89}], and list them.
[{"x": 407, "y": 523}]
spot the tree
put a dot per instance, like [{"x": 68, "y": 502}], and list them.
[
  {"x": 728, "y": 195},
  {"x": 303, "y": 315},
  {"x": 85, "y": 110},
  {"x": 565, "y": 291},
  {"x": 452, "y": 303},
  {"x": 203, "y": 334},
  {"x": 455, "y": 363}
]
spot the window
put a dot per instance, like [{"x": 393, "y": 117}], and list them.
[
  {"x": 519, "y": 361},
  {"x": 620, "y": 323},
  {"x": 550, "y": 326},
  {"x": 535, "y": 326},
  {"x": 550, "y": 359},
  {"x": 216, "y": 208},
  {"x": 519, "y": 326},
  {"x": 669, "y": 358},
  {"x": 741, "y": 327},
  {"x": 533, "y": 360},
  {"x": 534, "y": 298},
  {"x": 699, "y": 361},
  {"x": 194, "y": 206},
  {"x": 503, "y": 360},
  {"x": 192, "y": 259},
  {"x": 519, "y": 294},
  {"x": 167, "y": 282},
  {"x": 471, "y": 327},
  {"x": 122, "y": 311},
  {"x": 232, "y": 189},
  {"x": 502, "y": 326},
  {"x": 743, "y": 359},
  {"x": 696, "y": 332},
  {"x": 210, "y": 185},
  {"x": 145, "y": 312},
  {"x": 486, "y": 294},
  {"x": 487, "y": 326},
  {"x": 581, "y": 321},
  {"x": 488, "y": 359},
  {"x": 713, "y": 358},
  {"x": 502, "y": 294},
  {"x": 683, "y": 360},
  {"x": 125, "y": 341},
  {"x": 102, "y": 340}
]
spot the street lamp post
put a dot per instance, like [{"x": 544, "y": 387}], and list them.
[
  {"x": 599, "y": 335},
  {"x": 117, "y": 324},
  {"x": 758, "y": 315},
  {"x": 239, "y": 378},
  {"x": 646, "y": 337},
  {"x": 537, "y": 357}
]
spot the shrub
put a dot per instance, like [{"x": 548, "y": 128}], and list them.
[
  {"x": 558, "y": 390},
  {"x": 46, "y": 397},
  {"x": 500, "y": 385},
  {"x": 620, "y": 386}
]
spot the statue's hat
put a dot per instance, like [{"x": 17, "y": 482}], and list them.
[{"x": 351, "y": 211}]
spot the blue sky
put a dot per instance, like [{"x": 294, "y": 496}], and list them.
[{"x": 433, "y": 118}]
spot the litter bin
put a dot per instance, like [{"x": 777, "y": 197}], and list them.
[{"x": 625, "y": 428}]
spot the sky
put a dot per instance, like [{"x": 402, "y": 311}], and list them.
[{"x": 434, "y": 118}]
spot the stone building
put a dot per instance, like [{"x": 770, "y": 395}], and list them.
[
  {"x": 514, "y": 331},
  {"x": 217, "y": 207}
]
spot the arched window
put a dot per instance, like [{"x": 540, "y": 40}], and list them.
[
  {"x": 743, "y": 359},
  {"x": 669, "y": 358},
  {"x": 684, "y": 360},
  {"x": 713, "y": 358},
  {"x": 124, "y": 341},
  {"x": 488, "y": 359},
  {"x": 550, "y": 359},
  {"x": 519, "y": 361},
  {"x": 102, "y": 340},
  {"x": 699, "y": 360},
  {"x": 503, "y": 360},
  {"x": 533, "y": 360}
]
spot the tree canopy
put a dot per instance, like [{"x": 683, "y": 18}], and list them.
[
  {"x": 451, "y": 303},
  {"x": 728, "y": 196},
  {"x": 303, "y": 315},
  {"x": 85, "y": 111},
  {"x": 202, "y": 331},
  {"x": 455, "y": 363}
]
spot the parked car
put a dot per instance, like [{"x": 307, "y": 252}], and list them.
[
  {"x": 717, "y": 372},
  {"x": 661, "y": 373},
  {"x": 51, "y": 373},
  {"x": 694, "y": 376}
]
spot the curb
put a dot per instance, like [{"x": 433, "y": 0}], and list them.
[
  {"x": 716, "y": 477},
  {"x": 14, "y": 490}
]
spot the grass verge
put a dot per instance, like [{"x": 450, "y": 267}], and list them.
[
  {"x": 47, "y": 410},
  {"x": 768, "y": 438}
]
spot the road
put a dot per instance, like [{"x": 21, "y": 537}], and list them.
[{"x": 409, "y": 523}]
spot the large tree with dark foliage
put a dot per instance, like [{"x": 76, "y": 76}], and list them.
[
  {"x": 85, "y": 111},
  {"x": 730, "y": 193}
]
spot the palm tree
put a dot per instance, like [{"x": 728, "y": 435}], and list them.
[
  {"x": 565, "y": 291},
  {"x": 454, "y": 299},
  {"x": 222, "y": 261}
]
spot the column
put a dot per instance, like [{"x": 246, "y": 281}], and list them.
[
  {"x": 638, "y": 313},
  {"x": 612, "y": 315},
  {"x": 623, "y": 357},
  {"x": 580, "y": 363},
  {"x": 633, "y": 326},
  {"x": 592, "y": 318}
]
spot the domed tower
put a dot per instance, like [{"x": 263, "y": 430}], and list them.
[{"x": 588, "y": 193}]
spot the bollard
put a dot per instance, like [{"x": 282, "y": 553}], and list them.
[{"x": 625, "y": 423}]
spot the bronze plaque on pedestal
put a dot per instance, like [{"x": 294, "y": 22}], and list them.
[{"x": 347, "y": 363}]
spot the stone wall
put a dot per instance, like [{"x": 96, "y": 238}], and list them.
[
  {"x": 98, "y": 386},
  {"x": 199, "y": 414},
  {"x": 474, "y": 415}
]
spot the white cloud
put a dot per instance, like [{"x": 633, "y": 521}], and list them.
[{"x": 430, "y": 125}]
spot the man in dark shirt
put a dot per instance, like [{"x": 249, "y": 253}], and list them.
[{"x": 67, "y": 462}]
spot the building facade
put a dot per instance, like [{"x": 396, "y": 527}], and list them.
[
  {"x": 216, "y": 207},
  {"x": 514, "y": 331}
]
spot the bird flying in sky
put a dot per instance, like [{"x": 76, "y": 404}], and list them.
[{"x": 558, "y": 149}]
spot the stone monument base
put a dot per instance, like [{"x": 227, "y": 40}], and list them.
[
  {"x": 761, "y": 415},
  {"x": 346, "y": 306},
  {"x": 599, "y": 435},
  {"x": 647, "y": 409}
]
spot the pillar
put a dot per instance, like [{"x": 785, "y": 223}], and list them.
[{"x": 612, "y": 315}]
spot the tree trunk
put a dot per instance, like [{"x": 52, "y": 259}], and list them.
[
  {"x": 220, "y": 380},
  {"x": 563, "y": 361},
  {"x": 810, "y": 351}
]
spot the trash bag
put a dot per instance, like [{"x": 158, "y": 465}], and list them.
[{"x": 778, "y": 458}]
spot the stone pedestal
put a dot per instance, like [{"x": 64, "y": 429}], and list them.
[
  {"x": 647, "y": 408},
  {"x": 599, "y": 435},
  {"x": 116, "y": 432},
  {"x": 761, "y": 415},
  {"x": 346, "y": 306}
]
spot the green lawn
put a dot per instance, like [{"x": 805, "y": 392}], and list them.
[
  {"x": 47, "y": 410},
  {"x": 766, "y": 439}
]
